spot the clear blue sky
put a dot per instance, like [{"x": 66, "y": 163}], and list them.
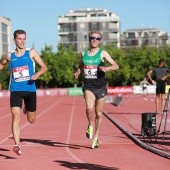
[{"x": 39, "y": 17}]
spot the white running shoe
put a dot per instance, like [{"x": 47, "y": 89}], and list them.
[{"x": 17, "y": 149}]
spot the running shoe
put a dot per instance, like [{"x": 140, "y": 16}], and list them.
[
  {"x": 156, "y": 112},
  {"x": 17, "y": 149},
  {"x": 89, "y": 132},
  {"x": 95, "y": 144},
  {"x": 24, "y": 110}
]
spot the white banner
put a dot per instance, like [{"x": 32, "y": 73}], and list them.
[{"x": 139, "y": 89}]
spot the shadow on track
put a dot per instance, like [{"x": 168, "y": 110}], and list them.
[
  {"x": 5, "y": 156},
  {"x": 86, "y": 166},
  {"x": 52, "y": 143}
]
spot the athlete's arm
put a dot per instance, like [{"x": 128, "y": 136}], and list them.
[
  {"x": 77, "y": 73},
  {"x": 148, "y": 83},
  {"x": 114, "y": 65},
  {"x": 166, "y": 76},
  {"x": 149, "y": 75},
  {"x": 5, "y": 61},
  {"x": 141, "y": 83},
  {"x": 36, "y": 57}
]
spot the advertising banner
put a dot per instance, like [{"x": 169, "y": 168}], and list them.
[
  {"x": 120, "y": 90},
  {"x": 139, "y": 90},
  {"x": 56, "y": 92},
  {"x": 72, "y": 91}
]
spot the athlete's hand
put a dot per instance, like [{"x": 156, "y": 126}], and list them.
[
  {"x": 164, "y": 78},
  {"x": 77, "y": 73},
  {"x": 153, "y": 82},
  {"x": 35, "y": 76},
  {"x": 104, "y": 69}
]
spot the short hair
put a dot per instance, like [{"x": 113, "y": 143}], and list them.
[
  {"x": 95, "y": 32},
  {"x": 19, "y": 32},
  {"x": 161, "y": 61}
]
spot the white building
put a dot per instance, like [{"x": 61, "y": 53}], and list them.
[
  {"x": 148, "y": 36},
  {"x": 5, "y": 36},
  {"x": 74, "y": 27}
]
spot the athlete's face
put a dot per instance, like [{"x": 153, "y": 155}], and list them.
[
  {"x": 20, "y": 41},
  {"x": 94, "y": 40}
]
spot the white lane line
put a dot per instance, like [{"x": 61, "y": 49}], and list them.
[
  {"x": 5, "y": 116},
  {"x": 68, "y": 140},
  {"x": 36, "y": 118},
  {"x": 10, "y": 113}
]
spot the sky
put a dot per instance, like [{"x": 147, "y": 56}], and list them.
[{"x": 39, "y": 18}]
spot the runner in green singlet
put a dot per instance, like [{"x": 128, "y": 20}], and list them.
[
  {"x": 144, "y": 84},
  {"x": 92, "y": 63}
]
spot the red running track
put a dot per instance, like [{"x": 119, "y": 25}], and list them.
[{"x": 57, "y": 141}]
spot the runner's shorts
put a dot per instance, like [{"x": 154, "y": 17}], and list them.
[
  {"x": 99, "y": 93},
  {"x": 160, "y": 87},
  {"x": 28, "y": 97}
]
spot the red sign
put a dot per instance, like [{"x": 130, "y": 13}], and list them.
[{"x": 120, "y": 90}]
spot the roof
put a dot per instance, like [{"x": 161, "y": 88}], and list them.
[{"x": 141, "y": 29}]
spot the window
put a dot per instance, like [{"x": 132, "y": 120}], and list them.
[
  {"x": 94, "y": 26},
  {"x": 5, "y": 48},
  {"x": 104, "y": 24},
  {"x": 112, "y": 26},
  {"x": 85, "y": 37},
  {"x": 112, "y": 36},
  {"x": 131, "y": 35},
  {"x": 72, "y": 27},
  {"x": 102, "y": 15},
  {"x": 4, "y": 28},
  {"x": 82, "y": 26},
  {"x": 4, "y": 38},
  {"x": 75, "y": 37}
]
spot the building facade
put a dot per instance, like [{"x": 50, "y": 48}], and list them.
[
  {"x": 74, "y": 27},
  {"x": 148, "y": 36},
  {"x": 5, "y": 36}
]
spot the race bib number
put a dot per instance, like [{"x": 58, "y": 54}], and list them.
[
  {"x": 21, "y": 74},
  {"x": 90, "y": 72}
]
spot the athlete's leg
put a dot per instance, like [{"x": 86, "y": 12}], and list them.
[
  {"x": 144, "y": 93},
  {"x": 157, "y": 102},
  {"x": 30, "y": 106},
  {"x": 162, "y": 102},
  {"x": 98, "y": 120},
  {"x": 16, "y": 104},
  {"x": 31, "y": 116},
  {"x": 90, "y": 101},
  {"x": 16, "y": 124}
]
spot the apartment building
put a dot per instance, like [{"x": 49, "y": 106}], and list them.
[
  {"x": 74, "y": 27},
  {"x": 150, "y": 36},
  {"x": 5, "y": 36}
]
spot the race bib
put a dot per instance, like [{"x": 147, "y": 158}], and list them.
[
  {"x": 21, "y": 74},
  {"x": 90, "y": 72}
]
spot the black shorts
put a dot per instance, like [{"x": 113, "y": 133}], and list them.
[
  {"x": 144, "y": 88},
  {"x": 160, "y": 86},
  {"x": 99, "y": 93},
  {"x": 28, "y": 97}
]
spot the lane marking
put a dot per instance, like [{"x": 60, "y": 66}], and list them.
[
  {"x": 36, "y": 118},
  {"x": 68, "y": 140},
  {"x": 10, "y": 111}
]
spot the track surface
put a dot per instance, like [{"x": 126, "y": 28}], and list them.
[{"x": 57, "y": 141}]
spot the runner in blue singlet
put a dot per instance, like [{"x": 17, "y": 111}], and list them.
[{"x": 22, "y": 82}]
